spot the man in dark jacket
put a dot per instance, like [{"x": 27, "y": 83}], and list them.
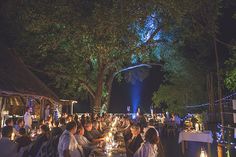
[
  {"x": 135, "y": 142},
  {"x": 43, "y": 137},
  {"x": 23, "y": 140}
]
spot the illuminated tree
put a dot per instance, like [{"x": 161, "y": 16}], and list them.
[
  {"x": 188, "y": 62},
  {"x": 230, "y": 78},
  {"x": 78, "y": 46}
]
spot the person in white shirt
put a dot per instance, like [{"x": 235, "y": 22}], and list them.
[
  {"x": 87, "y": 146},
  {"x": 83, "y": 141},
  {"x": 150, "y": 146},
  {"x": 28, "y": 118},
  {"x": 68, "y": 146}
]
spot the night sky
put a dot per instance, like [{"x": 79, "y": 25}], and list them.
[
  {"x": 121, "y": 95},
  {"x": 227, "y": 30}
]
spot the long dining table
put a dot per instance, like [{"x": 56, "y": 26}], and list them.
[{"x": 118, "y": 151}]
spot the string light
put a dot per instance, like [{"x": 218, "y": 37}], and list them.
[
  {"x": 220, "y": 133},
  {"x": 206, "y": 104}
]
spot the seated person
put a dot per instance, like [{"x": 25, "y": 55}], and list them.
[
  {"x": 68, "y": 146},
  {"x": 150, "y": 147},
  {"x": 8, "y": 147},
  {"x": 23, "y": 140},
  {"x": 126, "y": 131},
  {"x": 95, "y": 131},
  {"x": 89, "y": 134},
  {"x": 142, "y": 121},
  {"x": 19, "y": 124},
  {"x": 83, "y": 141},
  {"x": 62, "y": 123},
  {"x": 43, "y": 137},
  {"x": 135, "y": 142},
  {"x": 10, "y": 122},
  {"x": 56, "y": 130}
]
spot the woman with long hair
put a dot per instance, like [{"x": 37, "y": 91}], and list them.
[{"x": 149, "y": 148}]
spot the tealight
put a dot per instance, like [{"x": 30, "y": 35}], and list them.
[
  {"x": 107, "y": 139},
  {"x": 197, "y": 127},
  {"x": 13, "y": 136}
]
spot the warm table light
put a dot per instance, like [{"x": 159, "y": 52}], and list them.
[
  {"x": 107, "y": 139},
  {"x": 13, "y": 136},
  {"x": 197, "y": 127},
  {"x": 203, "y": 153}
]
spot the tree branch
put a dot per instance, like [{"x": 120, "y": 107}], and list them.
[
  {"x": 150, "y": 40},
  {"x": 87, "y": 87},
  {"x": 82, "y": 82},
  {"x": 223, "y": 43},
  {"x": 158, "y": 42},
  {"x": 153, "y": 35}
]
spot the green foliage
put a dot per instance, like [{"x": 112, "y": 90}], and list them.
[
  {"x": 230, "y": 79},
  {"x": 185, "y": 85},
  {"x": 186, "y": 63},
  {"x": 80, "y": 45}
]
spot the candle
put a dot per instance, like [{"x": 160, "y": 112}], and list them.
[
  {"x": 13, "y": 136},
  {"x": 107, "y": 139},
  {"x": 110, "y": 134},
  {"x": 197, "y": 127}
]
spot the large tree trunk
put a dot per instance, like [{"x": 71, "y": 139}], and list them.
[
  {"x": 98, "y": 95},
  {"x": 109, "y": 88}
]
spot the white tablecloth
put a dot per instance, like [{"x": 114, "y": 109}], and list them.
[{"x": 205, "y": 136}]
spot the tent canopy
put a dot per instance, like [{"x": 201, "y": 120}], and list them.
[{"x": 17, "y": 79}]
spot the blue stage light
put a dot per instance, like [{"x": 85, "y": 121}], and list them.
[{"x": 136, "y": 94}]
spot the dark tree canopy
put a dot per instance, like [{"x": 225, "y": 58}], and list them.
[{"x": 78, "y": 46}]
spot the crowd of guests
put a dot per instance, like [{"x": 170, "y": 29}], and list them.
[{"x": 74, "y": 136}]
